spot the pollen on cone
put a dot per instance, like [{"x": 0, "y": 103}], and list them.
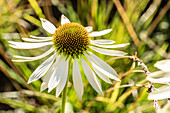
[{"x": 71, "y": 39}]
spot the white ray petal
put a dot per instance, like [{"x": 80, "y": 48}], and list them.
[
  {"x": 43, "y": 86},
  {"x": 42, "y": 69},
  {"x": 26, "y": 59},
  {"x": 56, "y": 75},
  {"x": 159, "y": 77},
  {"x": 163, "y": 65},
  {"x": 41, "y": 38},
  {"x": 63, "y": 80},
  {"x": 104, "y": 73},
  {"x": 101, "y": 75},
  {"x": 89, "y": 28},
  {"x": 24, "y": 45},
  {"x": 108, "y": 52},
  {"x": 161, "y": 93},
  {"x": 102, "y": 41},
  {"x": 91, "y": 77},
  {"x": 103, "y": 64},
  {"x": 36, "y": 40},
  {"x": 53, "y": 67},
  {"x": 48, "y": 26},
  {"x": 77, "y": 81},
  {"x": 103, "y": 69},
  {"x": 111, "y": 46},
  {"x": 64, "y": 20},
  {"x": 99, "y": 33}
]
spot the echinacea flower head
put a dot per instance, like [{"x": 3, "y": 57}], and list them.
[
  {"x": 75, "y": 41},
  {"x": 163, "y": 77},
  {"x": 70, "y": 42}
]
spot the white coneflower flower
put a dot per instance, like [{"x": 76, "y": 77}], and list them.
[
  {"x": 162, "y": 76},
  {"x": 70, "y": 41}
]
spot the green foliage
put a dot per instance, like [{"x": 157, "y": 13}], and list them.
[{"x": 19, "y": 18}]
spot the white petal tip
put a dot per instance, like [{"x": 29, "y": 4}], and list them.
[
  {"x": 109, "y": 30},
  {"x": 43, "y": 87},
  {"x": 43, "y": 20},
  {"x": 102, "y": 94},
  {"x": 124, "y": 53},
  {"x": 64, "y": 20},
  {"x": 89, "y": 28},
  {"x": 49, "y": 90},
  {"x": 32, "y": 36},
  {"x": 126, "y": 44},
  {"x": 9, "y": 41},
  {"x": 56, "y": 96},
  {"x": 29, "y": 82},
  {"x": 80, "y": 99},
  {"x": 14, "y": 60},
  {"x": 63, "y": 16},
  {"x": 48, "y": 26},
  {"x": 110, "y": 82},
  {"x": 118, "y": 80}
]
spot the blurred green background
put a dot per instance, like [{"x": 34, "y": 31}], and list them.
[{"x": 142, "y": 23}]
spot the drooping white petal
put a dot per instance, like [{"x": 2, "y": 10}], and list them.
[
  {"x": 102, "y": 41},
  {"x": 41, "y": 38},
  {"x": 159, "y": 77},
  {"x": 99, "y": 33},
  {"x": 53, "y": 67},
  {"x": 64, "y": 20},
  {"x": 163, "y": 65},
  {"x": 63, "y": 80},
  {"x": 104, "y": 72},
  {"x": 108, "y": 52},
  {"x": 24, "y": 45},
  {"x": 48, "y": 26},
  {"x": 36, "y": 40},
  {"x": 91, "y": 77},
  {"x": 77, "y": 81},
  {"x": 56, "y": 75},
  {"x": 161, "y": 93},
  {"x": 42, "y": 69},
  {"x": 26, "y": 59},
  {"x": 111, "y": 46},
  {"x": 103, "y": 64},
  {"x": 102, "y": 68},
  {"x": 101, "y": 75},
  {"x": 89, "y": 28}
]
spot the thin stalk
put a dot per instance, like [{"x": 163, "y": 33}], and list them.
[{"x": 64, "y": 98}]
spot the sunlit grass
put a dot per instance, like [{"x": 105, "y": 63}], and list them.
[{"x": 21, "y": 18}]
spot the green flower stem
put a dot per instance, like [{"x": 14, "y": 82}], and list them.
[{"x": 64, "y": 98}]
